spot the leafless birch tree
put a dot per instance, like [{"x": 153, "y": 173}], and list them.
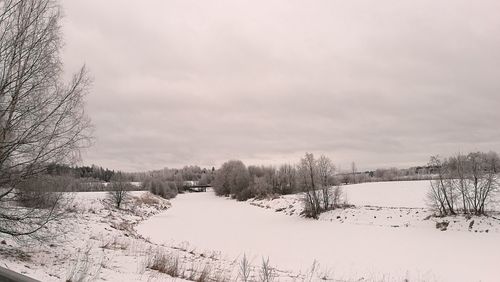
[
  {"x": 287, "y": 179},
  {"x": 354, "y": 171},
  {"x": 471, "y": 180},
  {"x": 326, "y": 169},
  {"x": 442, "y": 194},
  {"x": 42, "y": 120},
  {"x": 309, "y": 184}
]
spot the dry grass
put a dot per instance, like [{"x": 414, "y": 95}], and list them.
[
  {"x": 164, "y": 262},
  {"x": 84, "y": 268},
  {"x": 244, "y": 269},
  {"x": 173, "y": 265},
  {"x": 267, "y": 272},
  {"x": 147, "y": 199},
  {"x": 116, "y": 243}
]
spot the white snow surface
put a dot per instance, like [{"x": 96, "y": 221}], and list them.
[
  {"x": 410, "y": 194},
  {"x": 389, "y": 237}
]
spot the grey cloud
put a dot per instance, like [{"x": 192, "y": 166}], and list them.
[{"x": 384, "y": 83}]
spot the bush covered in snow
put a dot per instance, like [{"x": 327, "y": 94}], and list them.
[
  {"x": 233, "y": 179},
  {"x": 42, "y": 191},
  {"x": 164, "y": 189}
]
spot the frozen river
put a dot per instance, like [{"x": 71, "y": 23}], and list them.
[{"x": 208, "y": 222}]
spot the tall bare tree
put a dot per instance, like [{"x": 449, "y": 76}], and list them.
[
  {"x": 287, "y": 178},
  {"x": 354, "y": 171},
  {"x": 458, "y": 167},
  {"x": 483, "y": 181},
  {"x": 442, "y": 194},
  {"x": 471, "y": 179},
  {"x": 42, "y": 119},
  {"x": 309, "y": 184},
  {"x": 326, "y": 170}
]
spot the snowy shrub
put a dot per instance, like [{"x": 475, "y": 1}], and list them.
[
  {"x": 244, "y": 195},
  {"x": 337, "y": 197},
  {"x": 147, "y": 199},
  {"x": 202, "y": 275},
  {"x": 260, "y": 188},
  {"x": 232, "y": 179},
  {"x": 164, "y": 189},
  {"x": 42, "y": 192}
]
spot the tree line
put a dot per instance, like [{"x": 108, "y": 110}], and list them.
[
  {"x": 312, "y": 176},
  {"x": 195, "y": 173},
  {"x": 354, "y": 176},
  {"x": 90, "y": 178},
  {"x": 89, "y": 172}
]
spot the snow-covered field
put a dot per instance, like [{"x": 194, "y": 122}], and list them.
[
  {"x": 388, "y": 237},
  {"x": 410, "y": 194}
]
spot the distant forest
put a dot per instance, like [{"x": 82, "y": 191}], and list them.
[
  {"x": 97, "y": 173},
  {"x": 205, "y": 175}
]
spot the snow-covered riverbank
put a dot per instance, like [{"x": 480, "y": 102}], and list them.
[{"x": 94, "y": 242}]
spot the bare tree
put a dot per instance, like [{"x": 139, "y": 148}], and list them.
[
  {"x": 326, "y": 169},
  {"x": 457, "y": 168},
  {"x": 345, "y": 178},
  {"x": 483, "y": 181},
  {"x": 337, "y": 196},
  {"x": 354, "y": 171},
  {"x": 308, "y": 183},
  {"x": 260, "y": 187},
  {"x": 472, "y": 178},
  {"x": 287, "y": 179},
  {"x": 442, "y": 194},
  {"x": 42, "y": 120},
  {"x": 119, "y": 193}
]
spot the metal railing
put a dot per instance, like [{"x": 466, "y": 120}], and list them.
[{"x": 7, "y": 275}]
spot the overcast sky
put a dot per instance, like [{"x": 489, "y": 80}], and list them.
[{"x": 381, "y": 83}]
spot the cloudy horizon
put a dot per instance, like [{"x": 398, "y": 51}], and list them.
[{"x": 383, "y": 84}]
